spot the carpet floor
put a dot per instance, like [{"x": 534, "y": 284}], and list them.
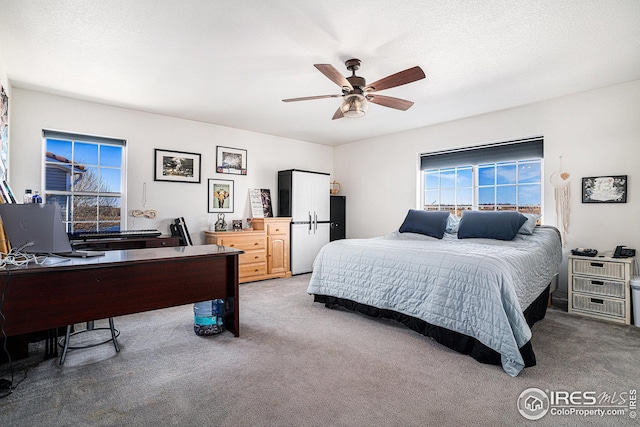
[{"x": 297, "y": 363}]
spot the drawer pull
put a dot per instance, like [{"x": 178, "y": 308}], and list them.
[
  {"x": 597, "y": 301},
  {"x": 597, "y": 264},
  {"x": 231, "y": 245},
  {"x": 256, "y": 257},
  {"x": 597, "y": 282},
  {"x": 256, "y": 243}
]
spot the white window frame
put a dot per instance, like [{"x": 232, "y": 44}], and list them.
[
  {"x": 475, "y": 187},
  {"x": 91, "y": 139}
]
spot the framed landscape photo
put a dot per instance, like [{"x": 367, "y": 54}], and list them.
[
  {"x": 220, "y": 195},
  {"x": 231, "y": 160},
  {"x": 178, "y": 166},
  {"x": 604, "y": 189}
]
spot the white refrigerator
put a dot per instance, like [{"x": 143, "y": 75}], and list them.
[{"x": 304, "y": 196}]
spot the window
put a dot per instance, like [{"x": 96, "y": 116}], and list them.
[
  {"x": 449, "y": 189},
  {"x": 505, "y": 176},
  {"x": 85, "y": 175}
]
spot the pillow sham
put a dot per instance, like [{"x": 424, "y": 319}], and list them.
[
  {"x": 429, "y": 223},
  {"x": 530, "y": 225},
  {"x": 500, "y": 225}
]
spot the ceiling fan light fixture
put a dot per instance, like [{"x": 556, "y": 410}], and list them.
[
  {"x": 354, "y": 105},
  {"x": 356, "y": 94}
]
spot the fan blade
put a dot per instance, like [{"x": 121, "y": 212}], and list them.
[
  {"x": 397, "y": 79},
  {"x": 338, "y": 114},
  {"x": 334, "y": 75},
  {"x": 389, "y": 101},
  {"x": 308, "y": 98}
]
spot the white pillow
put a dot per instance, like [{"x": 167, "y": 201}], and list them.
[
  {"x": 530, "y": 225},
  {"x": 453, "y": 222}
]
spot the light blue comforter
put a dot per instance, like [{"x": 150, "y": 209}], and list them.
[{"x": 477, "y": 287}]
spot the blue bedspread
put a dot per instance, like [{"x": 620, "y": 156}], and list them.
[{"x": 477, "y": 287}]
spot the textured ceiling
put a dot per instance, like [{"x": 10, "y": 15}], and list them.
[{"x": 232, "y": 62}]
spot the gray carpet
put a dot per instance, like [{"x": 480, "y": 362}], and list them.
[{"x": 297, "y": 363}]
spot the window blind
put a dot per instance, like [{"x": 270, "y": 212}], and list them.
[
  {"x": 53, "y": 134},
  {"x": 521, "y": 149}
]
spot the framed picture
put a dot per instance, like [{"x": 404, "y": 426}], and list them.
[
  {"x": 220, "y": 195},
  {"x": 176, "y": 166},
  {"x": 604, "y": 189},
  {"x": 231, "y": 160}
]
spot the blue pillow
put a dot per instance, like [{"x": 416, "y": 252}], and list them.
[
  {"x": 530, "y": 224},
  {"x": 499, "y": 225},
  {"x": 429, "y": 223}
]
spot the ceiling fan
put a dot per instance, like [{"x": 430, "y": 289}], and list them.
[{"x": 357, "y": 94}]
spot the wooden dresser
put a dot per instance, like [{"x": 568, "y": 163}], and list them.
[{"x": 266, "y": 248}]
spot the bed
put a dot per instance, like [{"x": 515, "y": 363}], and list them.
[{"x": 478, "y": 293}]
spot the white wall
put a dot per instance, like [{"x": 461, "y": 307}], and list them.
[
  {"x": 596, "y": 133},
  {"x": 33, "y": 111}
]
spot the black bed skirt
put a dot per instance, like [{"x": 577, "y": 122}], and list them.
[{"x": 454, "y": 340}]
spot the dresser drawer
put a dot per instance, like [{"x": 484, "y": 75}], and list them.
[
  {"x": 589, "y": 304},
  {"x": 252, "y": 257},
  {"x": 595, "y": 286},
  {"x": 277, "y": 228},
  {"x": 252, "y": 269},
  {"x": 612, "y": 270},
  {"x": 246, "y": 243}
]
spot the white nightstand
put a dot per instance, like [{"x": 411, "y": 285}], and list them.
[{"x": 599, "y": 287}]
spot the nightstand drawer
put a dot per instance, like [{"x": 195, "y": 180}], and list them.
[
  {"x": 612, "y": 270},
  {"x": 599, "y": 287},
  {"x": 606, "y": 306}
]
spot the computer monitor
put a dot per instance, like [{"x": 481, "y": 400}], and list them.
[{"x": 36, "y": 226}]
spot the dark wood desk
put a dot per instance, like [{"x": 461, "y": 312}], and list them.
[{"x": 69, "y": 291}]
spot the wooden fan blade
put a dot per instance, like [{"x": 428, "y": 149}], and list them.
[
  {"x": 397, "y": 79},
  {"x": 338, "y": 114},
  {"x": 308, "y": 98},
  {"x": 389, "y": 101},
  {"x": 334, "y": 75}
]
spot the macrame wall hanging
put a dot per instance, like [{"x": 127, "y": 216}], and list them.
[{"x": 561, "y": 191}]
